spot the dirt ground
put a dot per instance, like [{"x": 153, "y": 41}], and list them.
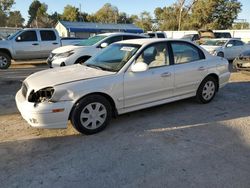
[{"x": 181, "y": 144}]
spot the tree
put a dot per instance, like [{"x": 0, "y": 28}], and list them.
[
  {"x": 144, "y": 21},
  {"x": 70, "y": 13},
  {"x": 15, "y": 19},
  {"x": 218, "y": 14},
  {"x": 33, "y": 9},
  {"x": 5, "y": 6},
  {"x": 167, "y": 18},
  {"x": 107, "y": 14}
]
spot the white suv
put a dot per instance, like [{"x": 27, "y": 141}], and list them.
[{"x": 79, "y": 53}]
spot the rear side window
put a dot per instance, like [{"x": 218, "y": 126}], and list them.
[
  {"x": 184, "y": 52},
  {"x": 27, "y": 36},
  {"x": 131, "y": 37},
  {"x": 238, "y": 43},
  {"x": 160, "y": 35},
  {"x": 48, "y": 35}
]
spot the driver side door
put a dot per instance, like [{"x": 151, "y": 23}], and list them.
[
  {"x": 154, "y": 84},
  {"x": 27, "y": 46}
]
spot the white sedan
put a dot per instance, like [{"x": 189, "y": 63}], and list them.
[
  {"x": 79, "y": 53},
  {"x": 227, "y": 48},
  {"x": 126, "y": 76}
]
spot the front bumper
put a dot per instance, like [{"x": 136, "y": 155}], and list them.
[
  {"x": 42, "y": 115},
  {"x": 241, "y": 65}
]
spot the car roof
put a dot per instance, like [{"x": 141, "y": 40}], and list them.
[
  {"x": 145, "y": 41},
  {"x": 119, "y": 33},
  {"x": 225, "y": 39}
]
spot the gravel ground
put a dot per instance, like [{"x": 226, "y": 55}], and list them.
[{"x": 181, "y": 144}]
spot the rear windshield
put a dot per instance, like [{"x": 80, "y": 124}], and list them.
[{"x": 92, "y": 40}]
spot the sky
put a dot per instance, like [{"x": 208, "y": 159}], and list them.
[{"x": 128, "y": 6}]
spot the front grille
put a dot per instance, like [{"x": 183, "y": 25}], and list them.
[{"x": 24, "y": 90}]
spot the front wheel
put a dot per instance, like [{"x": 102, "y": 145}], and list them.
[
  {"x": 206, "y": 90},
  {"x": 220, "y": 54},
  {"x": 5, "y": 60},
  {"x": 91, "y": 114}
]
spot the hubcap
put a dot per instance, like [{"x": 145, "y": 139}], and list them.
[
  {"x": 93, "y": 115},
  {"x": 3, "y": 61},
  {"x": 208, "y": 90}
]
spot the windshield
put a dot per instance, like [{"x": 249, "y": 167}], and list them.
[
  {"x": 14, "y": 35},
  {"x": 214, "y": 42},
  {"x": 92, "y": 40},
  {"x": 113, "y": 58}
]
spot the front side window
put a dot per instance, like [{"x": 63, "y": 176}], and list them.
[
  {"x": 185, "y": 53},
  {"x": 155, "y": 55},
  {"x": 48, "y": 35},
  {"x": 27, "y": 36},
  {"x": 113, "y": 58},
  {"x": 113, "y": 39}
]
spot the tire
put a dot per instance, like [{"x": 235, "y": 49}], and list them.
[
  {"x": 220, "y": 54},
  {"x": 207, "y": 90},
  {"x": 5, "y": 60},
  {"x": 91, "y": 123},
  {"x": 82, "y": 60}
]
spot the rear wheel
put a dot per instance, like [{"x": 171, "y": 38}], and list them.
[
  {"x": 5, "y": 60},
  {"x": 91, "y": 114},
  {"x": 207, "y": 90}
]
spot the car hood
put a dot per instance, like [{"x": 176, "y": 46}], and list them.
[
  {"x": 61, "y": 75},
  {"x": 4, "y": 43},
  {"x": 210, "y": 48},
  {"x": 64, "y": 49}
]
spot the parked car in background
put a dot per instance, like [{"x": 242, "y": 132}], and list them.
[
  {"x": 79, "y": 53},
  {"x": 157, "y": 34},
  {"x": 242, "y": 62},
  {"x": 32, "y": 43},
  {"x": 228, "y": 48},
  {"x": 126, "y": 76},
  {"x": 203, "y": 35}
]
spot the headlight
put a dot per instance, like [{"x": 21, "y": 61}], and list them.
[
  {"x": 214, "y": 52},
  {"x": 43, "y": 95},
  {"x": 65, "y": 54}
]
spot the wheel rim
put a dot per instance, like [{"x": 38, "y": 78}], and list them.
[
  {"x": 208, "y": 90},
  {"x": 93, "y": 115},
  {"x": 3, "y": 61}
]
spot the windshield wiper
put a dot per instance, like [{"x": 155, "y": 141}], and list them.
[{"x": 99, "y": 67}]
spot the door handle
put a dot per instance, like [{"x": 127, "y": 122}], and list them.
[
  {"x": 201, "y": 68},
  {"x": 55, "y": 43},
  {"x": 35, "y": 44},
  {"x": 166, "y": 74}
]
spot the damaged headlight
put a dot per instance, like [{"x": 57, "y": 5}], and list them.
[
  {"x": 64, "y": 55},
  {"x": 42, "y": 95}
]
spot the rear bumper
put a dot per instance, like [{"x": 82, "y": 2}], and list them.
[
  {"x": 224, "y": 79},
  {"x": 42, "y": 115}
]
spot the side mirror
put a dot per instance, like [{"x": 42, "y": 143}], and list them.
[
  {"x": 229, "y": 45},
  {"x": 139, "y": 67},
  {"x": 104, "y": 45},
  {"x": 18, "y": 38}
]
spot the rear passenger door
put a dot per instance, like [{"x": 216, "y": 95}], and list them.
[
  {"x": 49, "y": 41},
  {"x": 190, "y": 67}
]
